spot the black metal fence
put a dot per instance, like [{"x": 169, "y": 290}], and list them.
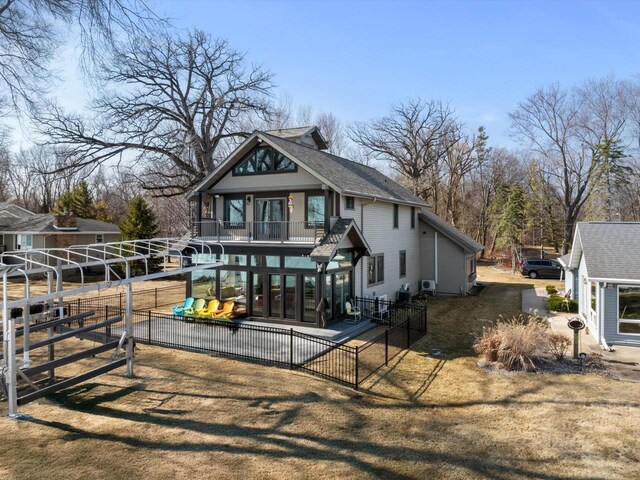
[
  {"x": 381, "y": 349},
  {"x": 282, "y": 347},
  {"x": 148, "y": 299},
  {"x": 384, "y": 312}
]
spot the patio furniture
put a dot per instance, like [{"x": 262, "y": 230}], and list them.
[
  {"x": 226, "y": 312},
  {"x": 179, "y": 309},
  {"x": 197, "y": 306},
  {"x": 352, "y": 311},
  {"x": 211, "y": 309}
]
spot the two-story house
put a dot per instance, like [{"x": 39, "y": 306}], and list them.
[{"x": 300, "y": 225}]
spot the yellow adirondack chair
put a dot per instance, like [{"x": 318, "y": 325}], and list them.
[{"x": 210, "y": 310}]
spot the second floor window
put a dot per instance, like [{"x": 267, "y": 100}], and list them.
[
  {"x": 349, "y": 203},
  {"x": 395, "y": 216},
  {"x": 413, "y": 217},
  {"x": 234, "y": 212},
  {"x": 315, "y": 210}
]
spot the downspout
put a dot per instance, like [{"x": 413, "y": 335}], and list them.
[
  {"x": 435, "y": 259},
  {"x": 362, "y": 205}
]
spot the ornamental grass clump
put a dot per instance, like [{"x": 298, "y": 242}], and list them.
[{"x": 516, "y": 343}]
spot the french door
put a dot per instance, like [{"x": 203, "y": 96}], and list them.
[{"x": 269, "y": 218}]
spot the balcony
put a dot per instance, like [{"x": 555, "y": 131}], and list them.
[{"x": 303, "y": 233}]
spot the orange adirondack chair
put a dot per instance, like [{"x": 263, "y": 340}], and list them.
[{"x": 226, "y": 311}]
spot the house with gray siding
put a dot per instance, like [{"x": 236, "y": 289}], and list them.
[
  {"x": 21, "y": 230},
  {"x": 603, "y": 274},
  {"x": 301, "y": 226}
]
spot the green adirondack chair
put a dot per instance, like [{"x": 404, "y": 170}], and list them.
[{"x": 199, "y": 304}]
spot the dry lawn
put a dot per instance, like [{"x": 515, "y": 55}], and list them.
[{"x": 194, "y": 416}]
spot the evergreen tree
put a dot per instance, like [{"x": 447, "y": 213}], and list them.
[
  {"x": 610, "y": 174},
  {"x": 512, "y": 222},
  {"x": 78, "y": 202},
  {"x": 140, "y": 223}
]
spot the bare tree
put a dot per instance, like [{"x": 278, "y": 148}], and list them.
[
  {"x": 173, "y": 105},
  {"x": 333, "y": 132},
  {"x": 547, "y": 122},
  {"x": 30, "y": 34},
  {"x": 411, "y": 139}
]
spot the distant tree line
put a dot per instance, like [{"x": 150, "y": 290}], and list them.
[{"x": 168, "y": 106}]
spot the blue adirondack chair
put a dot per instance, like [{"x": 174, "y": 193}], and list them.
[{"x": 179, "y": 309}]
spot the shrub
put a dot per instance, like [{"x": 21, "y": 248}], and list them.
[
  {"x": 561, "y": 304},
  {"x": 551, "y": 290},
  {"x": 514, "y": 343},
  {"x": 558, "y": 345}
]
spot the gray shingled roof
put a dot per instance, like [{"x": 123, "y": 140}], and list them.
[
  {"x": 10, "y": 214},
  {"x": 466, "y": 242},
  {"x": 43, "y": 223},
  {"x": 611, "y": 249},
  {"x": 349, "y": 176},
  {"x": 327, "y": 248},
  {"x": 299, "y": 132}
]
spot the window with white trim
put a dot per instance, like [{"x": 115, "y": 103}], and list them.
[
  {"x": 99, "y": 238},
  {"x": 629, "y": 309},
  {"x": 24, "y": 241}
]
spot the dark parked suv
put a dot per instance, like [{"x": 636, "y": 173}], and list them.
[{"x": 536, "y": 268}]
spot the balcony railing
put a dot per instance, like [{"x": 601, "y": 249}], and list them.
[{"x": 267, "y": 232}]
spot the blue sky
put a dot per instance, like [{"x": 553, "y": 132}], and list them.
[{"x": 355, "y": 58}]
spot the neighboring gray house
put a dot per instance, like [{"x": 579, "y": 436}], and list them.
[
  {"x": 603, "y": 274},
  {"x": 299, "y": 224},
  {"x": 9, "y": 215},
  {"x": 48, "y": 230}
]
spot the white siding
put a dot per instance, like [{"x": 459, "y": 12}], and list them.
[
  {"x": 383, "y": 238},
  {"x": 584, "y": 300}
]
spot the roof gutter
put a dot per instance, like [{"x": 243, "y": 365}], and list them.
[
  {"x": 614, "y": 280},
  {"x": 384, "y": 199}
]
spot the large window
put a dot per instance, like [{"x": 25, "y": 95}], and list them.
[
  {"x": 403, "y": 263},
  {"x": 204, "y": 283},
  {"x": 314, "y": 211},
  {"x": 24, "y": 241},
  {"x": 376, "y": 269},
  {"x": 234, "y": 259},
  {"x": 233, "y": 287},
  {"x": 264, "y": 159},
  {"x": 270, "y": 261},
  {"x": 629, "y": 310},
  {"x": 299, "y": 262},
  {"x": 234, "y": 212}
]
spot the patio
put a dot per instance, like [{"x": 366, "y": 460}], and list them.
[{"x": 278, "y": 344}]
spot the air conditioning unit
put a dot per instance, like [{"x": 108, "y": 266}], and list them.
[
  {"x": 382, "y": 303},
  {"x": 427, "y": 286}
]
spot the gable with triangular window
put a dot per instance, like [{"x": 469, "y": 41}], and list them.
[{"x": 264, "y": 159}]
